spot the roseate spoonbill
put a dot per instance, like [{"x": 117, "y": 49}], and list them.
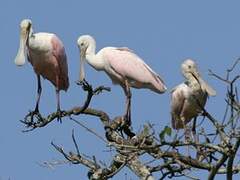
[
  {"x": 188, "y": 98},
  {"x": 122, "y": 66},
  {"x": 46, "y": 53}
]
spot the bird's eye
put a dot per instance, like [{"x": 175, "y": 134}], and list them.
[
  {"x": 189, "y": 66},
  {"x": 82, "y": 44}
]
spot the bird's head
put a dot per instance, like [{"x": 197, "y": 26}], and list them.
[
  {"x": 26, "y": 24},
  {"x": 189, "y": 67},
  {"x": 25, "y": 32},
  {"x": 86, "y": 44},
  {"x": 190, "y": 70}
]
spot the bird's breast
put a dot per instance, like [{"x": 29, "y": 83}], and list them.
[
  {"x": 194, "y": 99},
  {"x": 40, "y": 43},
  {"x": 44, "y": 64}
]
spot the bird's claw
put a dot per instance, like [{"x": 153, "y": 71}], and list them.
[
  {"x": 29, "y": 118},
  {"x": 85, "y": 85},
  {"x": 79, "y": 83},
  {"x": 59, "y": 115},
  {"x": 187, "y": 135},
  {"x": 204, "y": 114},
  {"x": 125, "y": 127}
]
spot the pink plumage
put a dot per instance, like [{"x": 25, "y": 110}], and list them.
[
  {"x": 51, "y": 64},
  {"x": 189, "y": 97},
  {"x": 122, "y": 65},
  {"x": 47, "y": 55}
]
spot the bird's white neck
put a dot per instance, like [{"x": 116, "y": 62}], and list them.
[
  {"x": 91, "y": 49},
  {"x": 92, "y": 58},
  {"x": 192, "y": 82},
  {"x": 30, "y": 34}
]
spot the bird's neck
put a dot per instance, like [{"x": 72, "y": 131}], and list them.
[
  {"x": 193, "y": 83},
  {"x": 30, "y": 36},
  {"x": 93, "y": 59},
  {"x": 91, "y": 49}
]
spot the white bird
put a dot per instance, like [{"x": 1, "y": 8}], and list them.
[
  {"x": 122, "y": 66},
  {"x": 188, "y": 98}
]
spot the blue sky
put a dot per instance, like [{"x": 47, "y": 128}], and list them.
[{"x": 163, "y": 33}]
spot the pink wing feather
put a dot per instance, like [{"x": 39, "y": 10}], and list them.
[
  {"x": 131, "y": 67},
  {"x": 177, "y": 103},
  {"x": 60, "y": 55}
]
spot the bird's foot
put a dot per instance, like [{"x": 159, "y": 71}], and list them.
[
  {"x": 127, "y": 130},
  {"x": 59, "y": 115},
  {"x": 188, "y": 139},
  {"x": 85, "y": 85},
  {"x": 204, "y": 114},
  {"x": 80, "y": 83},
  {"x": 29, "y": 119},
  {"x": 187, "y": 135},
  {"x": 125, "y": 127}
]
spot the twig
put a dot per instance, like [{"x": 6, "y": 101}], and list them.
[
  {"x": 76, "y": 159},
  {"x": 89, "y": 130},
  {"x": 233, "y": 66},
  {"x": 211, "y": 73},
  {"x": 75, "y": 143},
  {"x": 51, "y": 164}
]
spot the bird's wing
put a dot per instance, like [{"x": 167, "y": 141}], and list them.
[
  {"x": 125, "y": 49},
  {"x": 207, "y": 88},
  {"x": 130, "y": 66},
  {"x": 177, "y": 104},
  {"x": 60, "y": 55}
]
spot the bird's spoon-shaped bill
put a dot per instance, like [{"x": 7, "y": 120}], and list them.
[{"x": 20, "y": 58}]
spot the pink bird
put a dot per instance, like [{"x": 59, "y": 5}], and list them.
[
  {"x": 187, "y": 97},
  {"x": 122, "y": 66},
  {"x": 46, "y": 53}
]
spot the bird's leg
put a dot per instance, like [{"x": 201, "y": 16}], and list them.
[
  {"x": 39, "y": 91},
  {"x": 29, "y": 118},
  {"x": 194, "y": 130},
  {"x": 186, "y": 134},
  {"x": 31, "y": 114},
  {"x": 196, "y": 140},
  {"x": 125, "y": 127},
  {"x": 128, "y": 103},
  {"x": 59, "y": 112}
]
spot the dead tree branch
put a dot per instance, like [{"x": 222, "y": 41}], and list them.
[{"x": 216, "y": 151}]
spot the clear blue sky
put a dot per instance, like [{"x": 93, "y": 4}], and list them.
[{"x": 163, "y": 33}]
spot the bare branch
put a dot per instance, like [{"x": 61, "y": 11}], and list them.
[
  {"x": 75, "y": 143},
  {"x": 214, "y": 149},
  {"x": 42, "y": 121},
  {"x": 233, "y": 66},
  {"x": 231, "y": 159},
  {"x": 215, "y": 168}
]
